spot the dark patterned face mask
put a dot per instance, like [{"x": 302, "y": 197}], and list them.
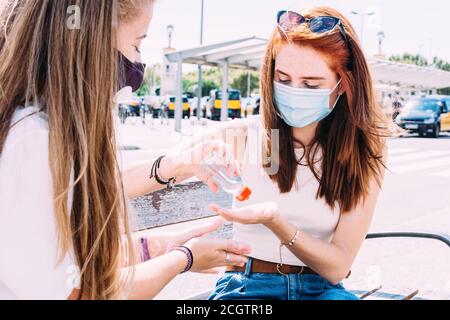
[{"x": 131, "y": 73}]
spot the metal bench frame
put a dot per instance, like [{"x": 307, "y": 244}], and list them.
[{"x": 441, "y": 237}]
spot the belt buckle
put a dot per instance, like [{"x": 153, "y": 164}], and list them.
[{"x": 279, "y": 266}]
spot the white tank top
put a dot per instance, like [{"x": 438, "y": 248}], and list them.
[{"x": 300, "y": 206}]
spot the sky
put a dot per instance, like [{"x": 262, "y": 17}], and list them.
[{"x": 414, "y": 26}]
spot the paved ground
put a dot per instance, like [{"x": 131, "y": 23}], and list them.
[{"x": 416, "y": 196}]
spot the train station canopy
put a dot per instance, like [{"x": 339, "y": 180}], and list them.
[
  {"x": 248, "y": 53},
  {"x": 407, "y": 75},
  {"x": 241, "y": 53}
]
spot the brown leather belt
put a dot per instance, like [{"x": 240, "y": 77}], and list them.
[{"x": 259, "y": 266}]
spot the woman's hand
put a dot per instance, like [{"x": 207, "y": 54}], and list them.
[
  {"x": 190, "y": 159},
  {"x": 211, "y": 254},
  {"x": 266, "y": 213},
  {"x": 200, "y": 230},
  {"x": 160, "y": 243}
]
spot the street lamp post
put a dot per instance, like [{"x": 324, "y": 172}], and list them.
[
  {"x": 249, "y": 84},
  {"x": 200, "y": 70},
  {"x": 363, "y": 15},
  {"x": 170, "y": 28},
  {"x": 381, "y": 36},
  {"x": 179, "y": 86}
]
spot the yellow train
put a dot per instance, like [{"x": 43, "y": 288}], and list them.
[
  {"x": 234, "y": 104},
  {"x": 186, "y": 107}
]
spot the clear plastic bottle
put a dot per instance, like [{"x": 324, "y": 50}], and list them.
[{"x": 232, "y": 185}]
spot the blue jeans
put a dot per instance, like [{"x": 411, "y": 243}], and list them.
[{"x": 270, "y": 286}]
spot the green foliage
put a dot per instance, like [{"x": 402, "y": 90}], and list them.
[
  {"x": 441, "y": 64},
  {"x": 151, "y": 80},
  {"x": 241, "y": 83},
  {"x": 208, "y": 85},
  {"x": 407, "y": 58},
  {"x": 213, "y": 79},
  {"x": 192, "y": 87},
  {"x": 188, "y": 85}
]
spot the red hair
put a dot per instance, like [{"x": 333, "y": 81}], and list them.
[{"x": 352, "y": 137}]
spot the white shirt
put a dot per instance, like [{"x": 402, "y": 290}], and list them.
[
  {"x": 28, "y": 230},
  {"x": 299, "y": 207}
]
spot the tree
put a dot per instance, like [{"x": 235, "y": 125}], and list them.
[
  {"x": 407, "y": 58},
  {"x": 188, "y": 85},
  {"x": 442, "y": 65},
  {"x": 144, "y": 90},
  {"x": 207, "y": 86},
  {"x": 241, "y": 83},
  {"x": 151, "y": 80},
  {"x": 213, "y": 79}
]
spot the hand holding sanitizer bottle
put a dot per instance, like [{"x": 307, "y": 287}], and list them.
[{"x": 230, "y": 184}]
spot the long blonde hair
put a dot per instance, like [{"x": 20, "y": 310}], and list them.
[{"x": 74, "y": 72}]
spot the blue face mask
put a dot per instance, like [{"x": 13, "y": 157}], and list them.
[{"x": 300, "y": 107}]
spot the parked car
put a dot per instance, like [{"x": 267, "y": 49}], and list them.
[{"x": 426, "y": 116}]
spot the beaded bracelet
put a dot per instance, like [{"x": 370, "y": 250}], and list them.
[
  {"x": 145, "y": 253},
  {"x": 294, "y": 239},
  {"x": 189, "y": 256},
  {"x": 289, "y": 244}
]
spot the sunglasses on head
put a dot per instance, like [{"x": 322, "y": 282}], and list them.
[{"x": 289, "y": 20}]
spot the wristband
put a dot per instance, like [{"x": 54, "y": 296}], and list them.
[
  {"x": 155, "y": 174},
  {"x": 189, "y": 256},
  {"x": 145, "y": 253}
]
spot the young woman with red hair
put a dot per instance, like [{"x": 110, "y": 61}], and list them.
[{"x": 326, "y": 169}]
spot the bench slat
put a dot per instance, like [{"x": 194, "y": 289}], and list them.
[
  {"x": 371, "y": 292},
  {"x": 411, "y": 295}
]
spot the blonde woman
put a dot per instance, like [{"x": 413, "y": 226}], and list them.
[{"x": 63, "y": 216}]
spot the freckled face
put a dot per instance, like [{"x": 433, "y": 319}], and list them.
[{"x": 304, "y": 67}]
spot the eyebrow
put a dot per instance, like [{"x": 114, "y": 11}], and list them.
[{"x": 304, "y": 78}]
